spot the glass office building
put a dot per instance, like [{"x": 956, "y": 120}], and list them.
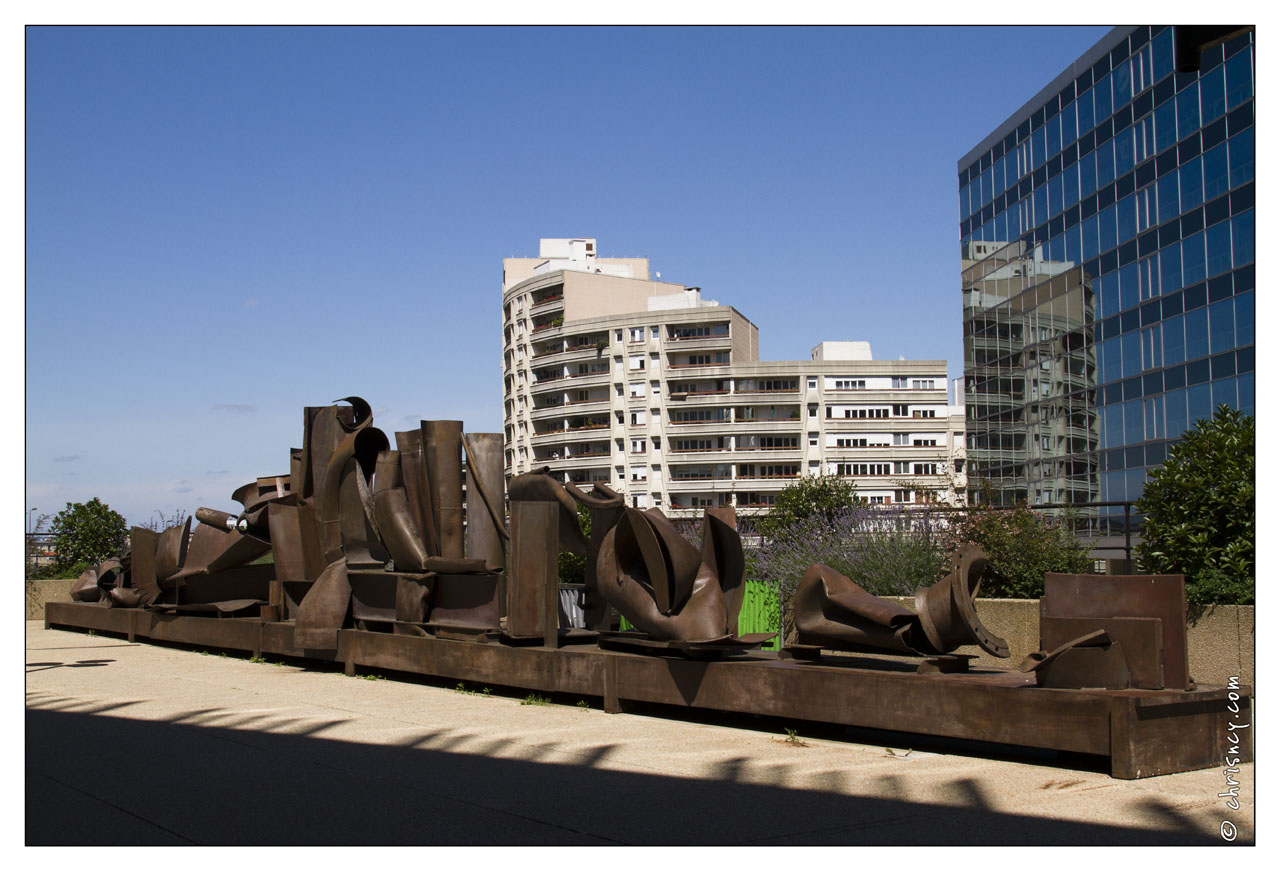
[{"x": 1107, "y": 245}]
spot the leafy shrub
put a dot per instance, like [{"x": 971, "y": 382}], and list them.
[
  {"x": 86, "y": 532},
  {"x": 58, "y": 571},
  {"x": 1022, "y": 545},
  {"x": 823, "y": 496},
  {"x": 1199, "y": 508}
]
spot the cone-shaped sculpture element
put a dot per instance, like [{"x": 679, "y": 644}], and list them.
[
  {"x": 832, "y": 611},
  {"x": 946, "y": 609}
]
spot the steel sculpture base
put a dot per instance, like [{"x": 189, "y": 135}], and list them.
[
  {"x": 638, "y": 642},
  {"x": 1142, "y": 732}
]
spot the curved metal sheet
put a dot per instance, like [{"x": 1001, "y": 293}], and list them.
[
  {"x": 171, "y": 552},
  {"x": 324, "y": 609},
  {"x": 142, "y": 574},
  {"x": 625, "y": 568},
  {"x": 538, "y": 486},
  {"x": 834, "y": 612},
  {"x": 443, "y": 454},
  {"x": 947, "y": 612},
  {"x": 395, "y": 521},
  {"x": 413, "y": 471},
  {"x": 722, "y": 551}
]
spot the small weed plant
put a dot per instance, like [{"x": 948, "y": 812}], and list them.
[{"x": 534, "y": 699}]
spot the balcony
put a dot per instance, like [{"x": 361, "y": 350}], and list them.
[
  {"x": 546, "y": 304},
  {"x": 716, "y": 332},
  {"x": 696, "y": 364}
]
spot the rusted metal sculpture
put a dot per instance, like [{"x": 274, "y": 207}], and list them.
[
  {"x": 667, "y": 588},
  {"x": 1092, "y": 660},
  {"x": 833, "y": 612},
  {"x": 604, "y": 505},
  {"x": 375, "y": 565},
  {"x": 1145, "y": 615}
]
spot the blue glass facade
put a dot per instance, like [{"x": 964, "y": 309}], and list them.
[{"x": 1107, "y": 251}]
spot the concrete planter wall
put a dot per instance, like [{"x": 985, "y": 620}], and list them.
[{"x": 39, "y": 592}]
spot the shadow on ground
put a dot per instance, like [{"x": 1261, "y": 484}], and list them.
[{"x": 215, "y": 776}]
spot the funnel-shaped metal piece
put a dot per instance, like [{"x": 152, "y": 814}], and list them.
[{"x": 946, "y": 609}]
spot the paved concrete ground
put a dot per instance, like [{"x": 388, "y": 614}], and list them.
[{"x": 146, "y": 744}]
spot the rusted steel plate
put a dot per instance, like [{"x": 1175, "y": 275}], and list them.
[
  {"x": 323, "y": 610},
  {"x": 142, "y": 575},
  {"x": 1193, "y": 732},
  {"x": 245, "y": 582},
  {"x": 1109, "y": 596},
  {"x": 396, "y": 525},
  {"x": 171, "y": 552},
  {"x": 645, "y": 566},
  {"x": 373, "y": 596},
  {"x": 485, "y": 499},
  {"x": 413, "y": 469},
  {"x": 213, "y": 550},
  {"x": 1141, "y": 638},
  {"x": 231, "y": 632},
  {"x": 947, "y": 612},
  {"x": 465, "y": 600},
  {"x": 286, "y": 542},
  {"x": 86, "y": 615},
  {"x": 442, "y": 450},
  {"x": 946, "y": 705},
  {"x": 722, "y": 550},
  {"x": 278, "y": 638},
  {"x": 535, "y": 545}
]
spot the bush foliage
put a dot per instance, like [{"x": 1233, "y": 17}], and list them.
[
  {"x": 86, "y": 533},
  {"x": 1199, "y": 508},
  {"x": 821, "y": 496},
  {"x": 1022, "y": 545}
]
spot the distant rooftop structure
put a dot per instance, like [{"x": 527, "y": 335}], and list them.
[{"x": 841, "y": 351}]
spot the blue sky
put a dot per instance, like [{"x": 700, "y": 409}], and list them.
[{"x": 224, "y": 225}]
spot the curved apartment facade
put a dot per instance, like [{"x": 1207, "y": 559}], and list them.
[{"x": 610, "y": 376}]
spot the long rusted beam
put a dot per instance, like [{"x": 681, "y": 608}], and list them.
[{"x": 1143, "y": 732}]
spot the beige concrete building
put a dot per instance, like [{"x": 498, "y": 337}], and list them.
[{"x": 610, "y": 375}]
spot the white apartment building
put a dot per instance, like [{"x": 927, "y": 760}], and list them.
[{"x": 611, "y": 376}]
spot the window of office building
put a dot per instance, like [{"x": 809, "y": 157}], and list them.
[{"x": 1136, "y": 274}]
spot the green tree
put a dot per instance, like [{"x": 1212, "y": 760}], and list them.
[
  {"x": 824, "y": 496},
  {"x": 86, "y": 533},
  {"x": 1199, "y": 508},
  {"x": 1023, "y": 545}
]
